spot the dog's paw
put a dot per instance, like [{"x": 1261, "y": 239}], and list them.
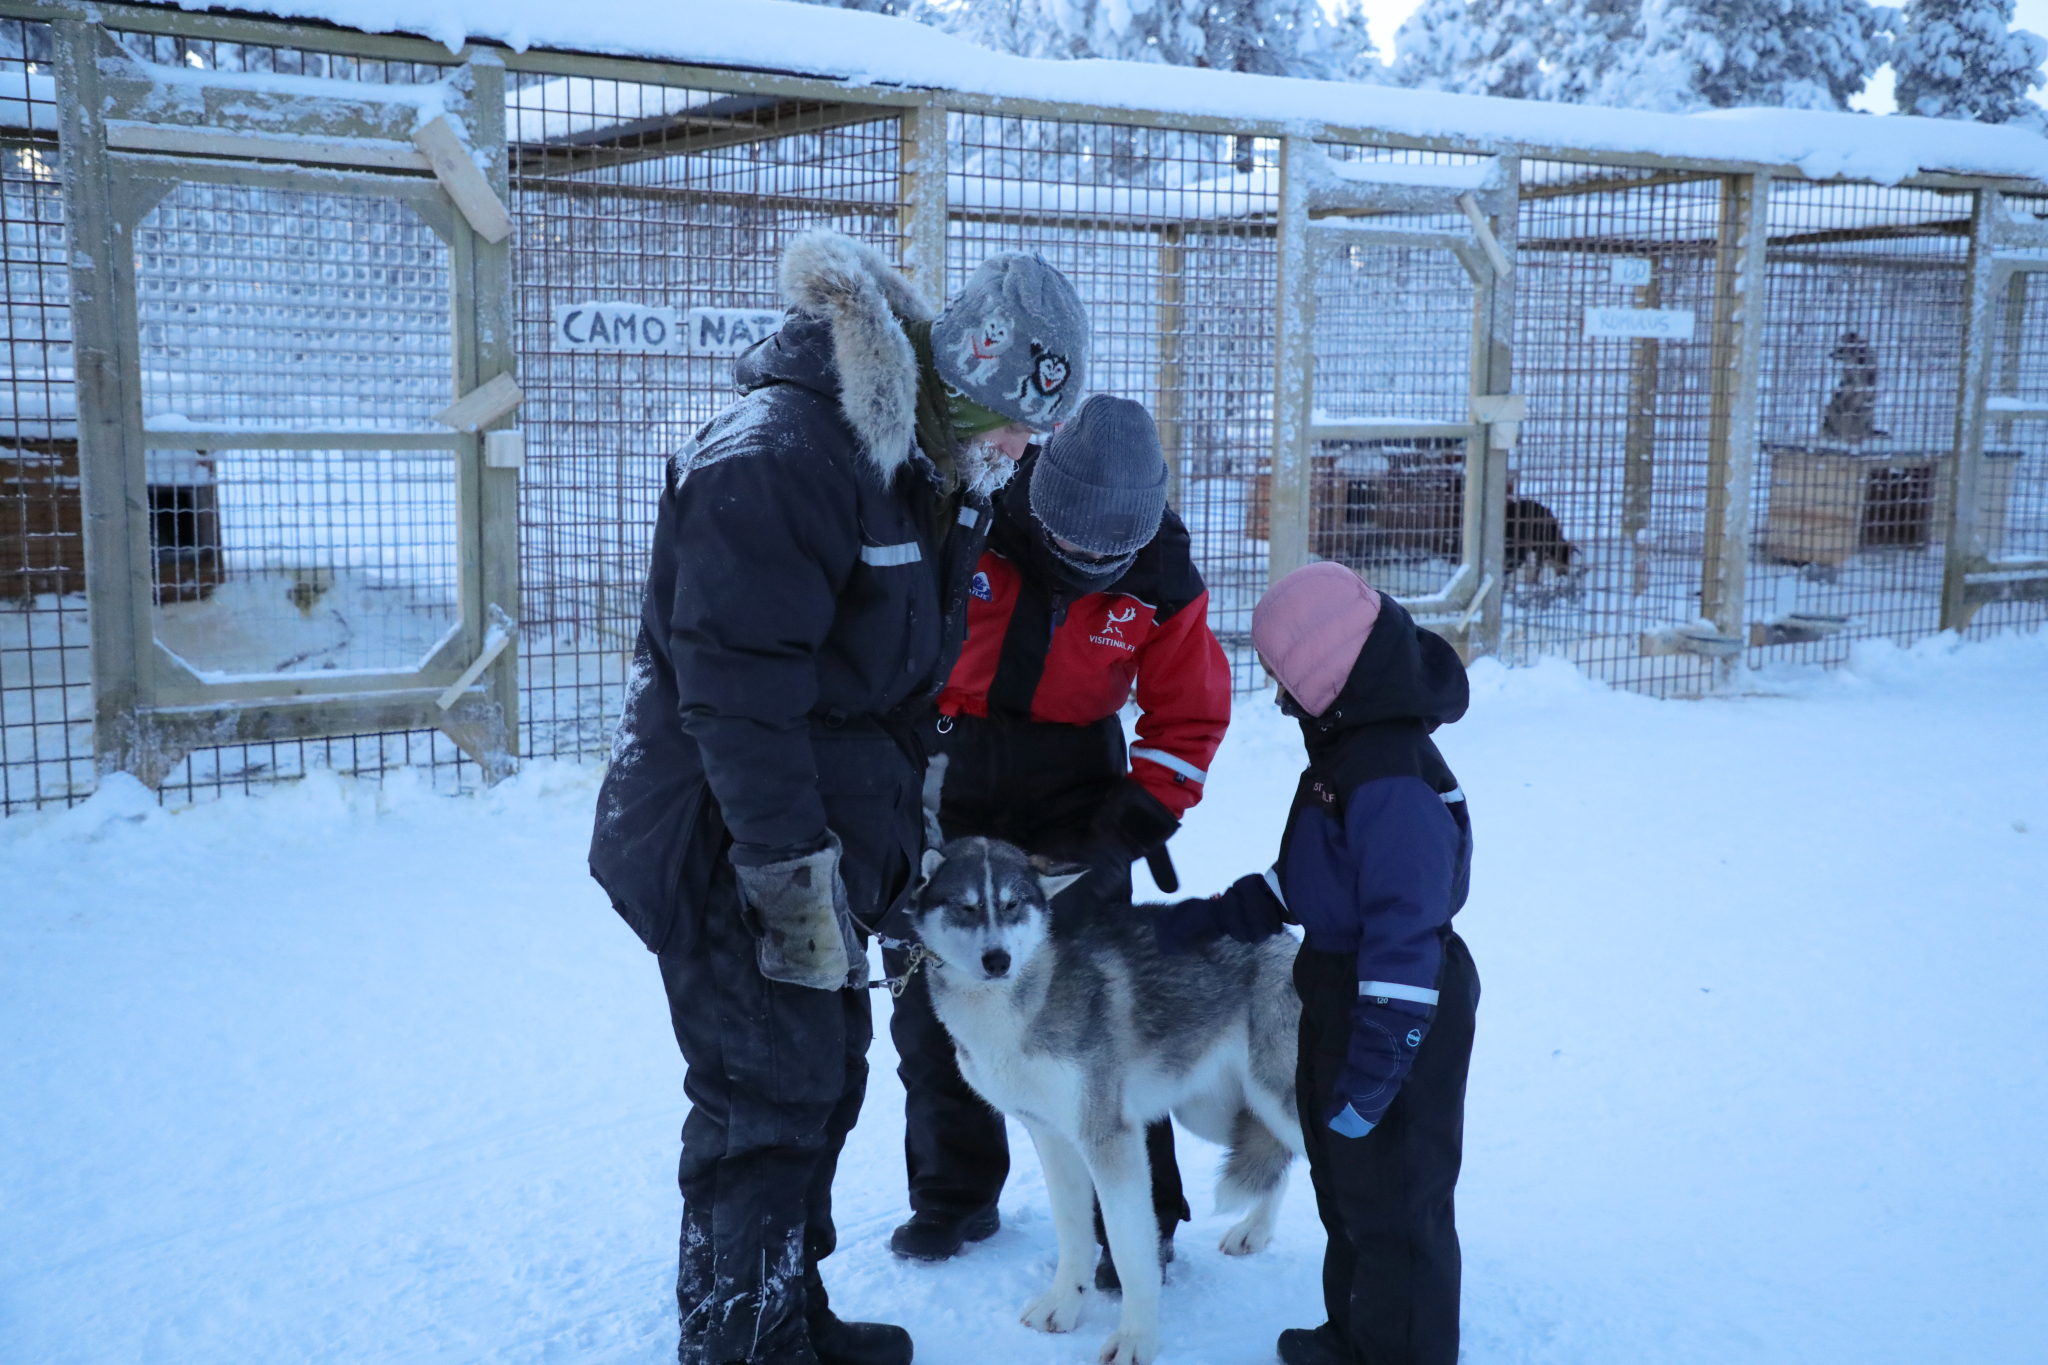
[
  {"x": 1130, "y": 1346},
  {"x": 1056, "y": 1310},
  {"x": 1247, "y": 1237}
]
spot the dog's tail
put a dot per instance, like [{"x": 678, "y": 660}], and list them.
[{"x": 1257, "y": 1164}]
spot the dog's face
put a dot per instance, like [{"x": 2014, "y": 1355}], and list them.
[{"x": 982, "y": 907}]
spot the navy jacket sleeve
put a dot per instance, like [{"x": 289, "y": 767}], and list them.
[
  {"x": 1405, "y": 849},
  {"x": 765, "y": 554}
]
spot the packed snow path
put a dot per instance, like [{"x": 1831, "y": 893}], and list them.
[{"x": 358, "y": 1075}]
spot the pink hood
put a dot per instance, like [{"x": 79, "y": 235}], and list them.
[{"x": 1309, "y": 627}]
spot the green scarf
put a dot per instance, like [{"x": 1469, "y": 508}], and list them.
[{"x": 945, "y": 416}]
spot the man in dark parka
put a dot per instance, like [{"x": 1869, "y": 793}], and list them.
[{"x": 805, "y": 602}]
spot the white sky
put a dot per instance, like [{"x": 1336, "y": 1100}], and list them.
[{"x": 1385, "y": 16}]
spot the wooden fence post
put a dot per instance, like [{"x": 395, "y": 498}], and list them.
[
  {"x": 117, "y": 558},
  {"x": 1962, "y": 545},
  {"x": 922, "y": 219},
  {"x": 1287, "y": 523},
  {"x": 1740, "y": 281}
]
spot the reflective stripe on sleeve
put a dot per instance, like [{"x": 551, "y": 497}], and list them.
[
  {"x": 1170, "y": 763},
  {"x": 968, "y": 517},
  {"x": 1453, "y": 796},
  {"x": 889, "y": 556},
  {"x": 1394, "y": 990}
]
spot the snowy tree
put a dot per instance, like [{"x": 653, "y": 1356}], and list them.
[
  {"x": 1800, "y": 54},
  {"x": 908, "y": 9},
  {"x": 1474, "y": 47},
  {"x": 1958, "y": 59},
  {"x": 1353, "y": 54},
  {"x": 1587, "y": 41}
]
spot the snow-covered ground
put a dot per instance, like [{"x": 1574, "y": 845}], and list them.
[{"x": 351, "y": 1074}]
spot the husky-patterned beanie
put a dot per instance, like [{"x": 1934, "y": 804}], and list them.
[
  {"x": 1309, "y": 628},
  {"x": 1016, "y": 340},
  {"x": 1100, "y": 482}
]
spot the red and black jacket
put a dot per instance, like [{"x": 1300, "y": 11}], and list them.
[{"x": 1038, "y": 651}]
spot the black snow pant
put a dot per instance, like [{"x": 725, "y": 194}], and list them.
[
  {"x": 776, "y": 1077},
  {"x": 775, "y": 1081},
  {"x": 1391, "y": 1274},
  {"x": 1037, "y": 786}
]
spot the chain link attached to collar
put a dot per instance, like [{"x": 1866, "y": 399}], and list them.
[{"x": 919, "y": 955}]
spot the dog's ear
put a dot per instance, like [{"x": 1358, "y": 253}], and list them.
[
  {"x": 1053, "y": 877},
  {"x": 933, "y": 861}
]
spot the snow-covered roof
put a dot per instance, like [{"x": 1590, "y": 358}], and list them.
[{"x": 848, "y": 45}]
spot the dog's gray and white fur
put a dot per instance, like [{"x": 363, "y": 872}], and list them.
[{"x": 1087, "y": 1038}]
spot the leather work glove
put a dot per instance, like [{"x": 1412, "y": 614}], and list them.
[
  {"x": 1249, "y": 911},
  {"x": 803, "y": 928}
]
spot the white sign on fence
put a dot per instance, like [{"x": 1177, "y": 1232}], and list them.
[
  {"x": 624, "y": 327},
  {"x": 642, "y": 329},
  {"x": 727, "y": 331},
  {"x": 1629, "y": 270},
  {"x": 1662, "y": 324}
]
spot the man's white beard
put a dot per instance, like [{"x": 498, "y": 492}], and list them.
[{"x": 984, "y": 467}]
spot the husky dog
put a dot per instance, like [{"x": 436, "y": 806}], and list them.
[
  {"x": 1087, "y": 1037},
  {"x": 1852, "y": 408}
]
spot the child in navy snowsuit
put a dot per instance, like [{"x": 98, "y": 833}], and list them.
[{"x": 1373, "y": 865}]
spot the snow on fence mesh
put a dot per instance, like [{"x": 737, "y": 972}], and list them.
[{"x": 656, "y": 191}]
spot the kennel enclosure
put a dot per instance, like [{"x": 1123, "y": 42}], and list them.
[{"x": 341, "y": 369}]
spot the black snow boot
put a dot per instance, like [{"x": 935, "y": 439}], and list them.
[
  {"x": 939, "y": 1236},
  {"x": 1317, "y": 1346},
  {"x": 858, "y": 1343}
]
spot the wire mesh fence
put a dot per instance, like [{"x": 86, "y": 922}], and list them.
[
  {"x": 651, "y": 210},
  {"x": 650, "y": 201},
  {"x": 1607, "y": 490},
  {"x": 1167, "y": 236},
  {"x": 46, "y": 750},
  {"x": 1857, "y": 417},
  {"x": 2012, "y": 488}
]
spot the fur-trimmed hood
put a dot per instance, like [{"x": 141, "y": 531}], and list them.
[{"x": 847, "y": 339}]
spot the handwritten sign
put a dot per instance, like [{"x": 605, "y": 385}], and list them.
[
  {"x": 643, "y": 329},
  {"x": 727, "y": 331},
  {"x": 1629, "y": 270},
  {"x": 1662, "y": 324}
]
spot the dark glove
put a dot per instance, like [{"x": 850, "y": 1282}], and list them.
[
  {"x": 803, "y": 930},
  {"x": 1129, "y": 824},
  {"x": 1248, "y": 912},
  {"x": 1132, "y": 821}
]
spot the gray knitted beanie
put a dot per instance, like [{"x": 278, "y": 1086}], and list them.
[
  {"x": 1016, "y": 340},
  {"x": 1100, "y": 482}
]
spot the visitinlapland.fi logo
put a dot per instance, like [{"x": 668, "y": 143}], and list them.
[
  {"x": 1113, "y": 622},
  {"x": 980, "y": 588}
]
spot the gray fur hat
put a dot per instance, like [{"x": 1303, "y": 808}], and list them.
[
  {"x": 1100, "y": 482},
  {"x": 1016, "y": 340}
]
